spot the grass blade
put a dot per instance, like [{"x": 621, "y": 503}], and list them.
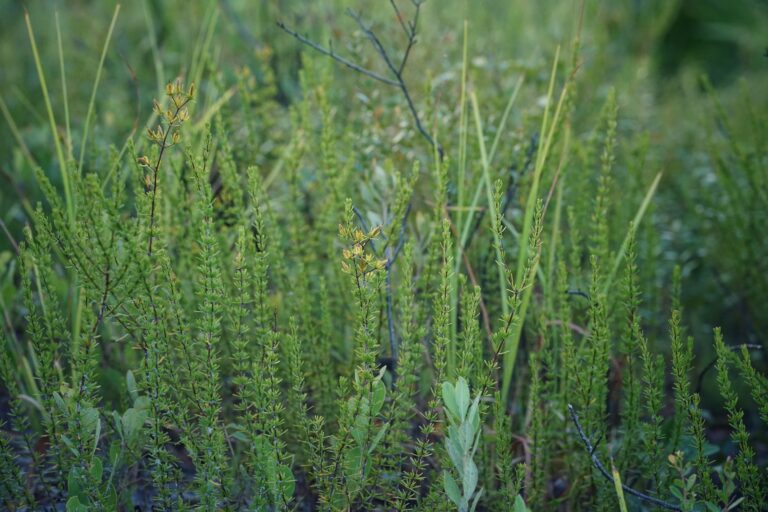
[
  {"x": 96, "y": 81},
  {"x": 52, "y": 121},
  {"x": 635, "y": 223}
]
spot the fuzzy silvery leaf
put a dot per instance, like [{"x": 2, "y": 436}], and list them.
[
  {"x": 451, "y": 488},
  {"x": 469, "y": 479},
  {"x": 449, "y": 399},
  {"x": 473, "y": 417},
  {"x": 455, "y": 453},
  {"x": 462, "y": 398}
]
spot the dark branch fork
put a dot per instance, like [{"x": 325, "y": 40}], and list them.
[{"x": 599, "y": 465}]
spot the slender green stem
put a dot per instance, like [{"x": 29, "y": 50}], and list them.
[
  {"x": 491, "y": 204},
  {"x": 64, "y": 94}
]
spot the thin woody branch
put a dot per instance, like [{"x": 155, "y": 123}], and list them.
[{"x": 335, "y": 56}]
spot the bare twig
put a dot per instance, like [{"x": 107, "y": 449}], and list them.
[
  {"x": 410, "y": 29},
  {"x": 330, "y": 53},
  {"x": 578, "y": 293},
  {"x": 599, "y": 465}
]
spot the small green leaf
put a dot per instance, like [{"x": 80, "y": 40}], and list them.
[
  {"x": 130, "y": 382},
  {"x": 451, "y": 488},
  {"x": 240, "y": 436},
  {"x": 358, "y": 434},
  {"x": 96, "y": 470},
  {"x": 377, "y": 439},
  {"x": 354, "y": 460},
  {"x": 469, "y": 480},
  {"x": 89, "y": 416},
  {"x": 473, "y": 417},
  {"x": 115, "y": 450},
  {"x": 141, "y": 403},
  {"x": 118, "y": 424},
  {"x": 74, "y": 505},
  {"x": 287, "y": 482},
  {"x": 519, "y": 505},
  {"x": 713, "y": 507},
  {"x": 133, "y": 422},
  {"x": 96, "y": 436},
  {"x": 110, "y": 498},
  {"x": 67, "y": 441},
  {"x": 74, "y": 488},
  {"x": 377, "y": 400},
  {"x": 462, "y": 398},
  {"x": 449, "y": 399},
  {"x": 59, "y": 401},
  {"x": 455, "y": 453}
]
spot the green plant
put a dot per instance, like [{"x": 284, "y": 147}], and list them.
[
  {"x": 461, "y": 442},
  {"x": 279, "y": 295}
]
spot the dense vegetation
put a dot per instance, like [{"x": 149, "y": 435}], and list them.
[{"x": 465, "y": 256}]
